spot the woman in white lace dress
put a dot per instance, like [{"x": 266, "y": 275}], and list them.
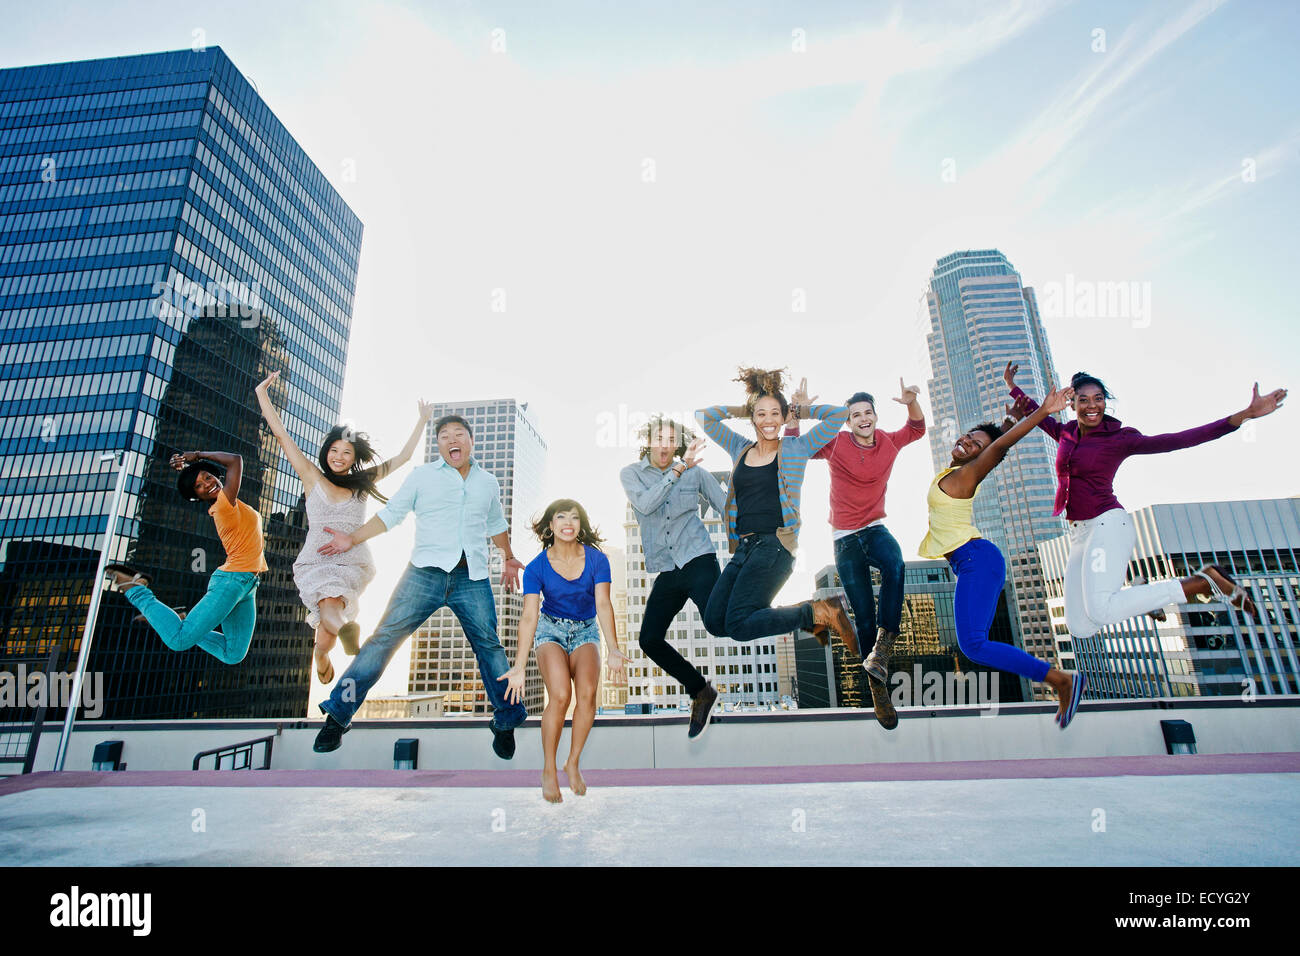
[{"x": 336, "y": 493}]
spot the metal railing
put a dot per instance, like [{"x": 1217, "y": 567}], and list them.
[
  {"x": 20, "y": 724},
  {"x": 240, "y": 754}
]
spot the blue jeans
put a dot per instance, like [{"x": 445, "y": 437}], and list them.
[
  {"x": 981, "y": 574},
  {"x": 419, "y": 594},
  {"x": 569, "y": 635},
  {"x": 231, "y": 602},
  {"x": 740, "y": 606},
  {"x": 855, "y": 555}
]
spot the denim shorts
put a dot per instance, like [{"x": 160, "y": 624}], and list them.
[{"x": 570, "y": 635}]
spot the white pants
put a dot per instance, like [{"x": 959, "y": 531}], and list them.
[{"x": 1095, "y": 595}]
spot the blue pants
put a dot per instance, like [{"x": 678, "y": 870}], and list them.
[
  {"x": 419, "y": 594},
  {"x": 981, "y": 574},
  {"x": 231, "y": 602},
  {"x": 855, "y": 555},
  {"x": 740, "y": 606}
]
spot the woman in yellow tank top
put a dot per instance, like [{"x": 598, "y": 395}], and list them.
[{"x": 979, "y": 566}]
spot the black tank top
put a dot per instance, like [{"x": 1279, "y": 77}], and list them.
[{"x": 758, "y": 498}]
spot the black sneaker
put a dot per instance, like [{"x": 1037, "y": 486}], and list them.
[
  {"x": 330, "y": 736},
  {"x": 702, "y": 709},
  {"x": 503, "y": 742}
]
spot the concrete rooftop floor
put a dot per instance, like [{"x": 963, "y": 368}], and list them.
[{"x": 1216, "y": 810}]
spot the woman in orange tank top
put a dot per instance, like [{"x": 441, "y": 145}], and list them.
[{"x": 231, "y": 600}]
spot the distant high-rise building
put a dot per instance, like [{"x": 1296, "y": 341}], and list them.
[
  {"x": 614, "y": 695},
  {"x": 742, "y": 672},
  {"x": 164, "y": 245},
  {"x": 927, "y": 645},
  {"x": 1201, "y": 650},
  {"x": 982, "y": 317},
  {"x": 507, "y": 445}
]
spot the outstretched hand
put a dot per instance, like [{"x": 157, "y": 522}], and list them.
[
  {"x": 1261, "y": 405},
  {"x": 799, "y": 399},
  {"x": 515, "y": 686},
  {"x": 267, "y": 382},
  {"x": 1009, "y": 374},
  {"x": 614, "y": 664},
  {"x": 426, "y": 410},
  {"x": 907, "y": 393},
  {"x": 692, "y": 457},
  {"x": 338, "y": 543},
  {"x": 510, "y": 571},
  {"x": 1058, "y": 399}
]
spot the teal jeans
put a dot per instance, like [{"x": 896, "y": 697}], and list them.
[{"x": 231, "y": 602}]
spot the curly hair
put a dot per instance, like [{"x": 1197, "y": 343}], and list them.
[
  {"x": 760, "y": 383},
  {"x": 586, "y": 533},
  {"x": 359, "y": 480},
  {"x": 994, "y": 431},
  {"x": 652, "y": 428}
]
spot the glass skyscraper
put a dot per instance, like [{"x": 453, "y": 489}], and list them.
[
  {"x": 981, "y": 317},
  {"x": 508, "y": 446},
  {"x": 164, "y": 245}
]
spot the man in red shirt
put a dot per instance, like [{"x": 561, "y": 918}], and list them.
[{"x": 861, "y": 460}]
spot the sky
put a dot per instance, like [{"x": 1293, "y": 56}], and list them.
[{"x": 604, "y": 209}]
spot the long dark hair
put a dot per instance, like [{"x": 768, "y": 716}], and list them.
[
  {"x": 760, "y": 383},
  {"x": 359, "y": 480},
  {"x": 586, "y": 533}
]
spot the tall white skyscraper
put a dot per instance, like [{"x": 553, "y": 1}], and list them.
[
  {"x": 981, "y": 317},
  {"x": 742, "y": 673},
  {"x": 508, "y": 445}
]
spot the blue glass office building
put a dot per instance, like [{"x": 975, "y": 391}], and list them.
[
  {"x": 981, "y": 317},
  {"x": 164, "y": 245}
]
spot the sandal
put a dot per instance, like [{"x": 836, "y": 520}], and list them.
[
  {"x": 136, "y": 577},
  {"x": 327, "y": 677},
  {"x": 1238, "y": 599}
]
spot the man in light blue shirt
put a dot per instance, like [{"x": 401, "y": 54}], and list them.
[{"x": 457, "y": 508}]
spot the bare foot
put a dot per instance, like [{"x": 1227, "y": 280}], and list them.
[
  {"x": 324, "y": 666},
  {"x": 551, "y": 787},
  {"x": 576, "y": 783}
]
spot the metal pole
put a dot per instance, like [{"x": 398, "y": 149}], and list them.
[{"x": 96, "y": 592}]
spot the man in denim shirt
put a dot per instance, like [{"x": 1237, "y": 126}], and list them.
[
  {"x": 457, "y": 508},
  {"x": 666, "y": 495}
]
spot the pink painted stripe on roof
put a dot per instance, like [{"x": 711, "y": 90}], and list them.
[{"x": 1047, "y": 767}]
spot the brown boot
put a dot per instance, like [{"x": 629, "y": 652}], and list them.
[
  {"x": 877, "y": 662},
  {"x": 832, "y": 613},
  {"x": 885, "y": 713}
]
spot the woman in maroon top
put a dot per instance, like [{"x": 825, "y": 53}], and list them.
[{"x": 1090, "y": 450}]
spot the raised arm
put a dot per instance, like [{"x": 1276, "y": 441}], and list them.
[
  {"x": 1047, "y": 423},
  {"x": 303, "y": 465},
  {"x": 1260, "y": 405},
  {"x": 402, "y": 457},
  {"x": 964, "y": 482},
  {"x": 832, "y": 419},
  {"x": 711, "y": 420},
  {"x": 234, "y": 465}
]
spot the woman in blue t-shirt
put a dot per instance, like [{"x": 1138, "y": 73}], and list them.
[{"x": 566, "y": 591}]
